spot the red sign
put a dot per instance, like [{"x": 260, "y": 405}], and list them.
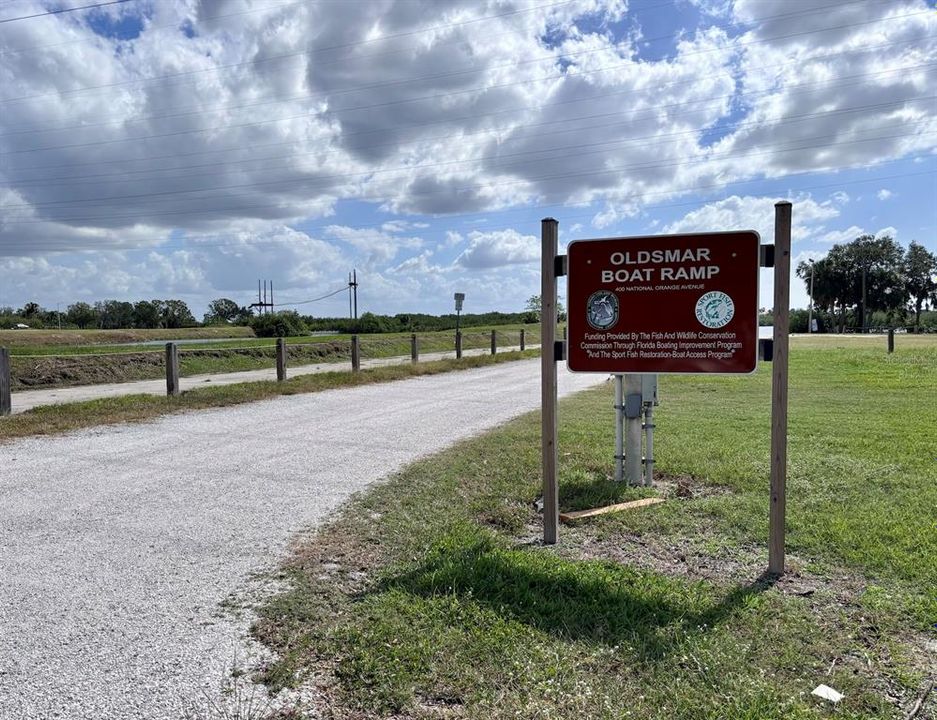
[{"x": 664, "y": 304}]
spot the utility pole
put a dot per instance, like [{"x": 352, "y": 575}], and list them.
[{"x": 353, "y": 294}]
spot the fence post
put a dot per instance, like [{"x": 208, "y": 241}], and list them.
[
  {"x": 458, "y": 345},
  {"x": 523, "y": 345},
  {"x": 494, "y": 342},
  {"x": 172, "y": 370},
  {"x": 355, "y": 354},
  {"x": 414, "y": 349},
  {"x": 779, "y": 376},
  {"x": 6, "y": 383},
  {"x": 891, "y": 339},
  {"x": 281, "y": 359}
]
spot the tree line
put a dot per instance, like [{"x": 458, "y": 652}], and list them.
[
  {"x": 172, "y": 314},
  {"x": 871, "y": 282},
  {"x": 104, "y": 315}
]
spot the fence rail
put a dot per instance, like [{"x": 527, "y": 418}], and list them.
[{"x": 175, "y": 363}]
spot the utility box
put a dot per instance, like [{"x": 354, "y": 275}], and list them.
[{"x": 649, "y": 389}]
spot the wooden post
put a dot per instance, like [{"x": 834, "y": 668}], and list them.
[
  {"x": 782, "y": 311},
  {"x": 281, "y": 359},
  {"x": 891, "y": 340},
  {"x": 494, "y": 342},
  {"x": 6, "y": 383},
  {"x": 523, "y": 344},
  {"x": 355, "y": 354},
  {"x": 172, "y": 370},
  {"x": 549, "y": 230},
  {"x": 619, "y": 428},
  {"x": 414, "y": 349},
  {"x": 458, "y": 345}
]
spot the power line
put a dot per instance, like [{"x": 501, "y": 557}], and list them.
[
  {"x": 306, "y": 302},
  {"x": 438, "y": 96},
  {"x": 581, "y": 216},
  {"x": 240, "y": 206},
  {"x": 501, "y": 156},
  {"x": 284, "y": 56},
  {"x": 668, "y": 36},
  {"x": 64, "y": 10},
  {"x": 841, "y": 79}
]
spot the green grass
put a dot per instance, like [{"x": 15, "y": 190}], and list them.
[
  {"x": 34, "y": 341},
  {"x": 430, "y": 594},
  {"x": 49, "y": 365},
  {"x": 56, "y": 419}
]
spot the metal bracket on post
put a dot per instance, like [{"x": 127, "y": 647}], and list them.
[
  {"x": 767, "y": 255},
  {"x": 559, "y": 350},
  {"x": 560, "y": 266},
  {"x": 765, "y": 349}
]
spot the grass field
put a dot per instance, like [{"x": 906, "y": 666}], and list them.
[
  {"x": 431, "y": 596},
  {"x": 51, "y": 364},
  {"x": 39, "y": 340}
]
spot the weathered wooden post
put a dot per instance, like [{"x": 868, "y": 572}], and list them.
[
  {"x": 523, "y": 339},
  {"x": 891, "y": 340},
  {"x": 494, "y": 342},
  {"x": 6, "y": 383},
  {"x": 281, "y": 359},
  {"x": 355, "y": 354},
  {"x": 458, "y": 345},
  {"x": 782, "y": 311},
  {"x": 549, "y": 230},
  {"x": 172, "y": 370},
  {"x": 414, "y": 349}
]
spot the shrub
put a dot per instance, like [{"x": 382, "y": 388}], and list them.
[{"x": 281, "y": 324}]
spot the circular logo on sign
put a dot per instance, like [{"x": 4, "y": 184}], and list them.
[
  {"x": 602, "y": 309},
  {"x": 715, "y": 309}
]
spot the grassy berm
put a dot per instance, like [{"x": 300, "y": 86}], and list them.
[{"x": 431, "y": 596}]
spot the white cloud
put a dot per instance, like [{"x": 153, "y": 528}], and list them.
[
  {"x": 837, "y": 237},
  {"x": 205, "y": 150},
  {"x": 377, "y": 247},
  {"x": 885, "y": 194},
  {"x": 488, "y": 250},
  {"x": 755, "y": 213}
]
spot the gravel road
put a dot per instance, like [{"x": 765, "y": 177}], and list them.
[
  {"x": 118, "y": 544},
  {"x": 27, "y": 399}
]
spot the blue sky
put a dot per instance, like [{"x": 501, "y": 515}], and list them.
[{"x": 184, "y": 149}]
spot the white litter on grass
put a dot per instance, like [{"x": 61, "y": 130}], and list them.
[{"x": 827, "y": 693}]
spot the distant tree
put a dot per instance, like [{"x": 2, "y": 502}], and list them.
[
  {"x": 863, "y": 275},
  {"x": 534, "y": 305},
  {"x": 920, "y": 271},
  {"x": 114, "y": 314},
  {"x": 81, "y": 314},
  {"x": 30, "y": 310},
  {"x": 224, "y": 311},
  {"x": 146, "y": 314},
  {"x": 175, "y": 314},
  {"x": 281, "y": 324}
]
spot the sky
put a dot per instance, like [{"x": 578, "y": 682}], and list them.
[{"x": 188, "y": 148}]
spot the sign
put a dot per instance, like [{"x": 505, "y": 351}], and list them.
[
  {"x": 664, "y": 304},
  {"x": 459, "y": 297}
]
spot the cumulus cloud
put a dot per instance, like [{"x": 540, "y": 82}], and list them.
[
  {"x": 884, "y": 194},
  {"x": 148, "y": 133},
  {"x": 499, "y": 248}
]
